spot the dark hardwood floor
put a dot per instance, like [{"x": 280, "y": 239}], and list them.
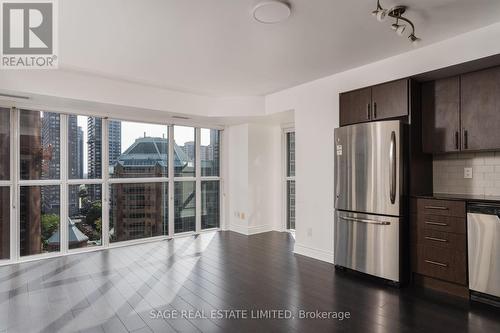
[{"x": 116, "y": 291}]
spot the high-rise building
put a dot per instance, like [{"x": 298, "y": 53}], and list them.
[
  {"x": 51, "y": 143},
  {"x": 189, "y": 149},
  {"x": 81, "y": 142},
  {"x": 75, "y": 160},
  {"x": 94, "y": 132}
]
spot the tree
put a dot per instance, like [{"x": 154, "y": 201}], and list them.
[
  {"x": 50, "y": 224},
  {"x": 94, "y": 213}
]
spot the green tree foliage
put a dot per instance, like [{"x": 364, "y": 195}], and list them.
[{"x": 50, "y": 224}]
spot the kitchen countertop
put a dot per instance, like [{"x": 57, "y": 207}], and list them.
[{"x": 461, "y": 197}]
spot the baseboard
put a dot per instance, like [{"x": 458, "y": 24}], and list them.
[
  {"x": 244, "y": 230},
  {"x": 259, "y": 229},
  {"x": 241, "y": 229},
  {"x": 314, "y": 253}
]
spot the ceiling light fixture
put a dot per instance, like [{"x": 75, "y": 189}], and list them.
[
  {"x": 397, "y": 12},
  {"x": 270, "y": 12}
]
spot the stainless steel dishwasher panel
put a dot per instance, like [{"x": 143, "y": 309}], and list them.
[{"x": 483, "y": 235}]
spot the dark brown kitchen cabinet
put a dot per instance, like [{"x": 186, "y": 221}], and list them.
[
  {"x": 384, "y": 101},
  {"x": 480, "y": 109},
  {"x": 355, "y": 106},
  {"x": 390, "y": 100},
  {"x": 441, "y": 115}
]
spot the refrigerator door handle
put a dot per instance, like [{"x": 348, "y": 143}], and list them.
[
  {"x": 392, "y": 167},
  {"x": 347, "y": 218}
]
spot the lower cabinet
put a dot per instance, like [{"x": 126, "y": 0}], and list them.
[{"x": 439, "y": 248}]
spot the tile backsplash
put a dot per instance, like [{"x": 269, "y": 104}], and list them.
[{"x": 448, "y": 173}]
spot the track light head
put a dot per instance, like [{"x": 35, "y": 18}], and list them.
[
  {"x": 401, "y": 29},
  {"x": 414, "y": 40},
  {"x": 381, "y": 15}
]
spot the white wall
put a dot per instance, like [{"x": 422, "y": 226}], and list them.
[
  {"x": 254, "y": 177},
  {"x": 316, "y": 115}
]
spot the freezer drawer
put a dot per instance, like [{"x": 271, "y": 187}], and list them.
[
  {"x": 369, "y": 168},
  {"x": 368, "y": 243},
  {"x": 483, "y": 235}
]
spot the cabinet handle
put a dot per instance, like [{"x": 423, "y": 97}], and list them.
[
  {"x": 436, "y": 207},
  {"x": 436, "y": 223},
  {"x": 456, "y": 141},
  {"x": 375, "y": 110},
  {"x": 368, "y": 114},
  {"x": 466, "y": 141},
  {"x": 437, "y": 263},
  {"x": 436, "y": 239}
]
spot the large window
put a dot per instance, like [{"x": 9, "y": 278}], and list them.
[
  {"x": 80, "y": 181},
  {"x": 290, "y": 179},
  {"x": 138, "y": 206}
]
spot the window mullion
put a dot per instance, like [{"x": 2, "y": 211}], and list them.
[
  {"x": 171, "y": 184},
  {"x": 14, "y": 177},
  {"x": 63, "y": 196},
  {"x": 105, "y": 182},
  {"x": 197, "y": 157}
]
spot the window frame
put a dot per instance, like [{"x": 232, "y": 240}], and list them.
[
  {"x": 285, "y": 177},
  {"x": 15, "y": 183}
]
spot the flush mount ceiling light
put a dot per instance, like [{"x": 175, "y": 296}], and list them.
[
  {"x": 397, "y": 12},
  {"x": 270, "y": 12}
]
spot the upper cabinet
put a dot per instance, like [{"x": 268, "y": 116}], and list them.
[
  {"x": 358, "y": 102},
  {"x": 480, "y": 107},
  {"x": 462, "y": 113},
  {"x": 388, "y": 100},
  {"x": 441, "y": 115}
]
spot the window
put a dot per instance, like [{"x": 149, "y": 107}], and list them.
[
  {"x": 39, "y": 205},
  {"x": 184, "y": 151},
  {"x": 4, "y": 144},
  {"x": 143, "y": 150},
  {"x": 210, "y": 178},
  {"x": 139, "y": 208},
  {"x": 210, "y": 204},
  {"x": 4, "y": 222},
  {"x": 39, "y": 214},
  {"x": 85, "y": 216},
  {"x": 81, "y": 181},
  {"x": 185, "y": 206},
  {"x": 40, "y": 145},
  {"x": 290, "y": 179},
  {"x": 209, "y": 152}
]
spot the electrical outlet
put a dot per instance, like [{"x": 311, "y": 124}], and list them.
[
  {"x": 468, "y": 173},
  {"x": 309, "y": 232}
]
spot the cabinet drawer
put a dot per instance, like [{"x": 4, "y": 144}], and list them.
[
  {"x": 445, "y": 240},
  {"x": 441, "y": 207},
  {"x": 441, "y": 223},
  {"x": 441, "y": 263}
]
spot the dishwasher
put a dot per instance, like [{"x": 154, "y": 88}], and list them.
[{"x": 483, "y": 236}]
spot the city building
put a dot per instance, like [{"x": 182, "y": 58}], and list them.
[{"x": 94, "y": 132}]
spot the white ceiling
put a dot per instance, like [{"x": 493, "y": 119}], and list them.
[{"x": 214, "y": 47}]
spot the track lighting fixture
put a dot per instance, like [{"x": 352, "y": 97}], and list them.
[{"x": 396, "y": 12}]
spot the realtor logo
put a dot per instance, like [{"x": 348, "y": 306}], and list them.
[{"x": 28, "y": 34}]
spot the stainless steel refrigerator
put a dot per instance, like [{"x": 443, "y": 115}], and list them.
[{"x": 368, "y": 198}]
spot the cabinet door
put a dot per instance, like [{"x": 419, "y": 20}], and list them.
[
  {"x": 390, "y": 100},
  {"x": 480, "y": 107},
  {"x": 355, "y": 106},
  {"x": 441, "y": 115}
]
